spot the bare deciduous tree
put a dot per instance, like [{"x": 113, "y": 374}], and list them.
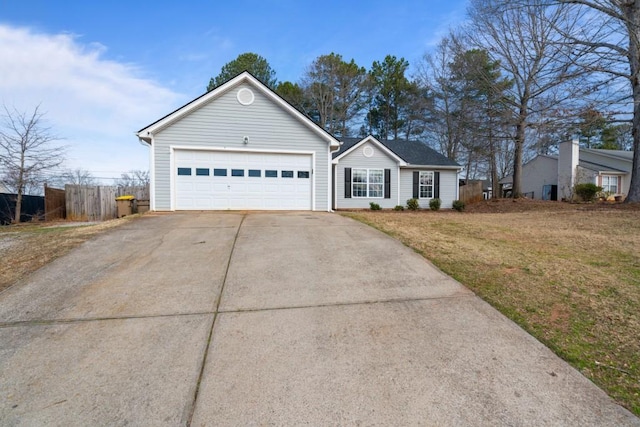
[
  {"x": 528, "y": 40},
  {"x": 435, "y": 74},
  {"x": 26, "y": 150},
  {"x": 77, "y": 176},
  {"x": 611, "y": 33},
  {"x": 134, "y": 178}
]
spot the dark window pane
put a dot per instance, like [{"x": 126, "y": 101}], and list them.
[
  {"x": 237, "y": 172},
  {"x": 287, "y": 174},
  {"x": 359, "y": 190},
  {"x": 255, "y": 173},
  {"x": 219, "y": 172},
  {"x": 184, "y": 171},
  {"x": 202, "y": 172},
  {"x": 303, "y": 174},
  {"x": 271, "y": 174}
]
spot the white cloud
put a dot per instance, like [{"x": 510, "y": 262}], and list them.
[{"x": 94, "y": 103}]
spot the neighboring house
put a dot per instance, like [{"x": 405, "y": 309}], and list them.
[
  {"x": 553, "y": 177},
  {"x": 240, "y": 146},
  {"x": 3, "y": 188},
  {"x": 391, "y": 172},
  {"x": 243, "y": 147}
]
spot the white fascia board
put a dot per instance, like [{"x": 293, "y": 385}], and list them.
[
  {"x": 150, "y": 130},
  {"x": 377, "y": 143},
  {"x": 431, "y": 167},
  {"x": 240, "y": 149}
]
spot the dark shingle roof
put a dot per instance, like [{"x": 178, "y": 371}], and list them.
[{"x": 412, "y": 152}]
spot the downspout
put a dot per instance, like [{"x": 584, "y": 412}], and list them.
[
  {"x": 149, "y": 144},
  {"x": 398, "y": 204}
]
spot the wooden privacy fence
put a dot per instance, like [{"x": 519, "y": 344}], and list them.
[
  {"x": 471, "y": 192},
  {"x": 54, "y": 204},
  {"x": 97, "y": 202}
]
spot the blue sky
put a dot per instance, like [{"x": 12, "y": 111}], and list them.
[{"x": 102, "y": 70}]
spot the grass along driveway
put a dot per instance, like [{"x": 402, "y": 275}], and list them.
[
  {"x": 570, "y": 278},
  {"x": 28, "y": 246}
]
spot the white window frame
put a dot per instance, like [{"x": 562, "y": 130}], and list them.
[
  {"x": 607, "y": 187},
  {"x": 426, "y": 186},
  {"x": 367, "y": 183}
]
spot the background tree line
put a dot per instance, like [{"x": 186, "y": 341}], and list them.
[{"x": 516, "y": 80}]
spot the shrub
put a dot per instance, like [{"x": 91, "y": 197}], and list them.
[
  {"x": 458, "y": 205},
  {"x": 413, "y": 204},
  {"x": 398, "y": 208},
  {"x": 434, "y": 204},
  {"x": 374, "y": 206},
  {"x": 586, "y": 191}
]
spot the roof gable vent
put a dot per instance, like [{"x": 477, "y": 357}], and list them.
[{"x": 245, "y": 96}]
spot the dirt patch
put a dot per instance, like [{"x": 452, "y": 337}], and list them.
[
  {"x": 27, "y": 247},
  {"x": 530, "y": 205}
]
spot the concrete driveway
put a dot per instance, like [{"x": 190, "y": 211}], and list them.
[{"x": 271, "y": 319}]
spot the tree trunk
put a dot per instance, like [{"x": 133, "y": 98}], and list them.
[
  {"x": 516, "y": 189},
  {"x": 633, "y": 23},
  {"x": 493, "y": 169},
  {"x": 18, "y": 212}
]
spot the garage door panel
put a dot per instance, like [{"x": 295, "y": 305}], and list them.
[{"x": 211, "y": 183}]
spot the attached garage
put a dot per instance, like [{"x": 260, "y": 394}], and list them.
[
  {"x": 222, "y": 180},
  {"x": 239, "y": 147}
]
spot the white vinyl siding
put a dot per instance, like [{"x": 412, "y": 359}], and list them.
[
  {"x": 448, "y": 187},
  {"x": 224, "y": 123},
  {"x": 357, "y": 160},
  {"x": 537, "y": 173}
]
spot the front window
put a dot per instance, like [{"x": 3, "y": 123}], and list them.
[
  {"x": 367, "y": 183},
  {"x": 426, "y": 185},
  {"x": 610, "y": 184}
]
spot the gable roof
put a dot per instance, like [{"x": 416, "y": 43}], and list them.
[
  {"x": 597, "y": 167},
  {"x": 411, "y": 153},
  {"x": 354, "y": 143},
  {"x": 619, "y": 154},
  {"x": 146, "y": 133},
  {"x": 603, "y": 155}
]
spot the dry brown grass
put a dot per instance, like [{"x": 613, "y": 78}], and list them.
[
  {"x": 27, "y": 247},
  {"x": 570, "y": 277}
]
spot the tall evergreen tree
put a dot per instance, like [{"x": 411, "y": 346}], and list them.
[
  {"x": 390, "y": 94},
  {"x": 334, "y": 88},
  {"x": 482, "y": 90},
  {"x": 252, "y": 62}
]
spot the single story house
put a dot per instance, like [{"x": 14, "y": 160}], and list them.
[
  {"x": 548, "y": 177},
  {"x": 243, "y": 147},
  {"x": 389, "y": 173}
]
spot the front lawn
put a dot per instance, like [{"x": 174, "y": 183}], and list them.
[{"x": 570, "y": 277}]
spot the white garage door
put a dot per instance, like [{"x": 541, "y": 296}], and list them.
[{"x": 237, "y": 180}]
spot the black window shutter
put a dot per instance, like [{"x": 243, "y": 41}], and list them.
[
  {"x": 416, "y": 181},
  {"x": 436, "y": 185},
  {"x": 347, "y": 183},
  {"x": 387, "y": 183}
]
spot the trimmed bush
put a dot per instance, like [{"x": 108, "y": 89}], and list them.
[
  {"x": 398, "y": 208},
  {"x": 458, "y": 205},
  {"x": 586, "y": 191},
  {"x": 434, "y": 204},
  {"x": 374, "y": 206},
  {"x": 413, "y": 204}
]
